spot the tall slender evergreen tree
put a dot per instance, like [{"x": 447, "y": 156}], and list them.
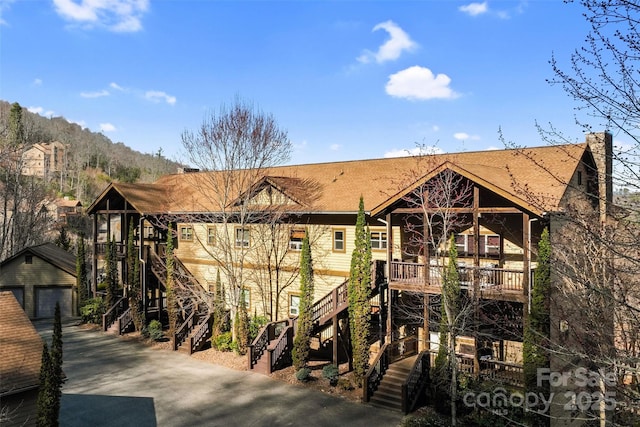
[
  {"x": 241, "y": 324},
  {"x": 57, "y": 376},
  {"x": 111, "y": 272},
  {"x": 302, "y": 341},
  {"x": 172, "y": 305},
  {"x": 358, "y": 290},
  {"x": 82, "y": 280},
  {"x": 133, "y": 280},
  {"x": 218, "y": 308},
  {"x": 537, "y": 329},
  {"x": 45, "y": 416},
  {"x": 51, "y": 377}
]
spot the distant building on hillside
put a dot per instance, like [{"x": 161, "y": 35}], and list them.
[{"x": 44, "y": 159}]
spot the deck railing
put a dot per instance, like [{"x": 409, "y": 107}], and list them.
[
  {"x": 502, "y": 372},
  {"x": 114, "y": 312},
  {"x": 121, "y": 248},
  {"x": 489, "y": 278}
]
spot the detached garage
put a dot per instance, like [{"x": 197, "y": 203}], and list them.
[{"x": 39, "y": 277}]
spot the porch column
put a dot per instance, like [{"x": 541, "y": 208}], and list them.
[
  {"x": 476, "y": 272},
  {"x": 335, "y": 340},
  {"x": 94, "y": 258},
  {"x": 389, "y": 260},
  {"x": 427, "y": 281}
]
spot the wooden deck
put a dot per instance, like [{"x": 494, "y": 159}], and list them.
[{"x": 493, "y": 283}]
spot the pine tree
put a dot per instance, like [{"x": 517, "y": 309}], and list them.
[
  {"x": 358, "y": 290},
  {"x": 172, "y": 306},
  {"x": 81, "y": 272},
  {"x": 537, "y": 329},
  {"x": 302, "y": 341},
  {"x": 63, "y": 241}
]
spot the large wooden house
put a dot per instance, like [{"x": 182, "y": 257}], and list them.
[{"x": 496, "y": 203}]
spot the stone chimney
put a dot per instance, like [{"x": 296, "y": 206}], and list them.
[{"x": 601, "y": 145}]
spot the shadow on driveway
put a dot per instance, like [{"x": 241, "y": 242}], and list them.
[{"x": 116, "y": 382}]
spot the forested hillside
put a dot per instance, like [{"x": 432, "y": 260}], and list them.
[
  {"x": 92, "y": 159},
  {"x": 85, "y": 162}
]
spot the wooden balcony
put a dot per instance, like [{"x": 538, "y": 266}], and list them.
[{"x": 493, "y": 282}]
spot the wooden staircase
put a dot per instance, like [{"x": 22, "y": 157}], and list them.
[
  {"x": 195, "y": 327},
  {"x": 275, "y": 348},
  {"x": 397, "y": 376},
  {"x": 118, "y": 319},
  {"x": 389, "y": 392}
]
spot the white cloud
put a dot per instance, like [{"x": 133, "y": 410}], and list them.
[
  {"x": 463, "y": 136},
  {"x": 398, "y": 42},
  {"x": 159, "y": 96},
  {"x": 335, "y": 147},
  {"x": 474, "y": 9},
  {"x": 37, "y": 82},
  {"x": 116, "y": 86},
  {"x": 115, "y": 15},
  {"x": 4, "y": 6},
  {"x": 107, "y": 127},
  {"x": 97, "y": 94},
  {"x": 419, "y": 83},
  {"x": 41, "y": 111},
  {"x": 415, "y": 151}
]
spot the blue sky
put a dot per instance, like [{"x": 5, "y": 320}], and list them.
[{"x": 347, "y": 79}]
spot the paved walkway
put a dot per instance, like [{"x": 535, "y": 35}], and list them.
[{"x": 115, "y": 382}]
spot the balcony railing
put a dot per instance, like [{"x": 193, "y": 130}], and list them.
[
  {"x": 489, "y": 278},
  {"x": 121, "y": 249}
]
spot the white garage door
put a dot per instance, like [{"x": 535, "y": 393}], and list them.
[{"x": 46, "y": 299}]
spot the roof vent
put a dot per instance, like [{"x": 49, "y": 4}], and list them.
[{"x": 188, "y": 170}]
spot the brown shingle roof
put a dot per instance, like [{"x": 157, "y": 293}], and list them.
[
  {"x": 51, "y": 253},
  {"x": 512, "y": 173},
  {"x": 20, "y": 348}
]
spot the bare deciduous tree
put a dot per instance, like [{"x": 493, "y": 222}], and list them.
[{"x": 235, "y": 147}]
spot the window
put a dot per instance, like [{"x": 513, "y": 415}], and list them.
[
  {"x": 186, "y": 233},
  {"x": 28, "y": 259},
  {"x": 295, "y": 239},
  {"x": 243, "y": 237},
  {"x": 338, "y": 240},
  {"x": 489, "y": 245},
  {"x": 211, "y": 235},
  {"x": 378, "y": 240},
  {"x": 579, "y": 177},
  {"x": 294, "y": 305}
]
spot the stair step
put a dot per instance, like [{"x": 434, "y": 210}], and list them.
[
  {"x": 396, "y": 406},
  {"x": 390, "y": 395}
]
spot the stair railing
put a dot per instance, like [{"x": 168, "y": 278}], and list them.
[
  {"x": 259, "y": 345},
  {"x": 115, "y": 311},
  {"x": 375, "y": 373},
  {"x": 415, "y": 382},
  {"x": 201, "y": 334},
  {"x": 125, "y": 320},
  {"x": 181, "y": 334},
  {"x": 281, "y": 350}
]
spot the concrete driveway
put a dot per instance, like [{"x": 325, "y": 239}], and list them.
[{"x": 115, "y": 382}]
